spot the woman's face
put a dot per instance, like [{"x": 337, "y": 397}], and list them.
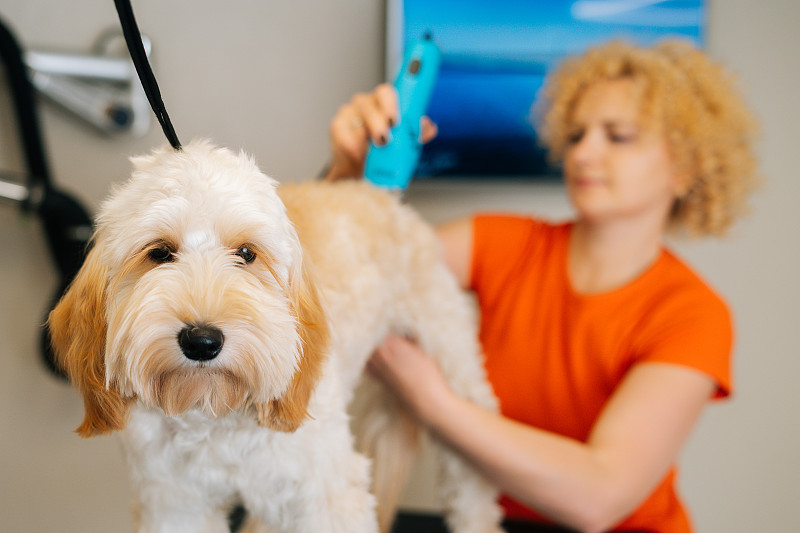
[{"x": 615, "y": 168}]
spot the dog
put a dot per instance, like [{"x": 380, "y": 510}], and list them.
[{"x": 222, "y": 323}]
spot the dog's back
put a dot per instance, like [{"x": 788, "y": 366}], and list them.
[
  {"x": 380, "y": 269},
  {"x": 371, "y": 256}
]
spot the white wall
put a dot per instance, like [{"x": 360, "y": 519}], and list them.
[{"x": 267, "y": 76}]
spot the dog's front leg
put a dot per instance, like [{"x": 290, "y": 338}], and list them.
[
  {"x": 158, "y": 518},
  {"x": 311, "y": 480},
  {"x": 179, "y": 486},
  {"x": 320, "y": 492}
]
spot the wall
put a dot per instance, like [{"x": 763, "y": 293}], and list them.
[{"x": 267, "y": 77}]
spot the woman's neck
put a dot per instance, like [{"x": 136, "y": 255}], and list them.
[{"x": 605, "y": 256}]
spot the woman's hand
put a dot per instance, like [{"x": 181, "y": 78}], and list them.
[
  {"x": 403, "y": 367},
  {"x": 367, "y": 117}
]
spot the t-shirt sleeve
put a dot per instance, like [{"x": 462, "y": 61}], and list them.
[
  {"x": 499, "y": 243},
  {"x": 693, "y": 329}
]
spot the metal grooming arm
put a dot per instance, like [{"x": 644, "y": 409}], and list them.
[
  {"x": 13, "y": 191},
  {"x": 99, "y": 88}
]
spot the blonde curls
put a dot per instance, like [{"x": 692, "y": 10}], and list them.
[{"x": 687, "y": 97}]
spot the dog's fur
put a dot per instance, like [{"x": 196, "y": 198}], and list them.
[{"x": 336, "y": 268}]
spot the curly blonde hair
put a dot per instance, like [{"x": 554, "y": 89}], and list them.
[{"x": 688, "y": 98}]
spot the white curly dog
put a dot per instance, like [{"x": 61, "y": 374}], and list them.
[{"x": 223, "y": 323}]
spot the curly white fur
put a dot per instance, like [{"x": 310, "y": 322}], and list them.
[{"x": 302, "y": 283}]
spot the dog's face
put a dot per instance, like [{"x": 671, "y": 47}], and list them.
[{"x": 195, "y": 295}]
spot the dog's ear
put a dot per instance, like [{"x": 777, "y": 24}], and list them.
[
  {"x": 289, "y": 411},
  {"x": 78, "y": 334}
]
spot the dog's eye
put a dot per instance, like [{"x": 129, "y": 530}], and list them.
[
  {"x": 161, "y": 253},
  {"x": 246, "y": 253}
]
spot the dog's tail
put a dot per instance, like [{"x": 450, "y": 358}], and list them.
[{"x": 388, "y": 435}]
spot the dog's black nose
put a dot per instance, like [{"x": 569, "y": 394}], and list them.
[{"x": 200, "y": 343}]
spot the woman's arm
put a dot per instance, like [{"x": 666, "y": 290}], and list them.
[
  {"x": 456, "y": 239},
  {"x": 587, "y": 486}
]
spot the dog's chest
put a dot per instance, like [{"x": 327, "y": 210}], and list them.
[{"x": 193, "y": 440}]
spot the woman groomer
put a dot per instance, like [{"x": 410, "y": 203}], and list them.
[{"x": 602, "y": 345}]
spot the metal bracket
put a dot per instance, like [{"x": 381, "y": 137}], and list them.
[{"x": 101, "y": 88}]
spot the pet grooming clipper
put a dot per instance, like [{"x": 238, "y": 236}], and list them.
[{"x": 392, "y": 165}]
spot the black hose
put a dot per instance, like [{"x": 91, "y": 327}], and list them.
[
  {"x": 24, "y": 107},
  {"x": 66, "y": 223}
]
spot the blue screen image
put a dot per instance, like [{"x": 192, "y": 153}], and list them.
[{"x": 495, "y": 56}]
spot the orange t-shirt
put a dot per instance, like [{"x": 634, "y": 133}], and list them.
[{"x": 554, "y": 357}]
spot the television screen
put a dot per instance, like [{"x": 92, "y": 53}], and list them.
[{"x": 495, "y": 58}]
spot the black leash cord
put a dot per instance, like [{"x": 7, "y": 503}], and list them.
[{"x": 133, "y": 38}]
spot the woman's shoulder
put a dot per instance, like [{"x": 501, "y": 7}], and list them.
[
  {"x": 511, "y": 224},
  {"x": 678, "y": 273},
  {"x": 512, "y": 238},
  {"x": 506, "y": 246},
  {"x": 679, "y": 291}
]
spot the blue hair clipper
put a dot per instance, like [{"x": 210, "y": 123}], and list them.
[{"x": 392, "y": 165}]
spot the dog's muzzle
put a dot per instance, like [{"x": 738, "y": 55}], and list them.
[{"x": 200, "y": 342}]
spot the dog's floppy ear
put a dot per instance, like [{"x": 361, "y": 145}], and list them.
[
  {"x": 78, "y": 332},
  {"x": 289, "y": 411}
]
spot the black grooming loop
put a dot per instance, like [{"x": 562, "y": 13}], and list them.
[{"x": 133, "y": 38}]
